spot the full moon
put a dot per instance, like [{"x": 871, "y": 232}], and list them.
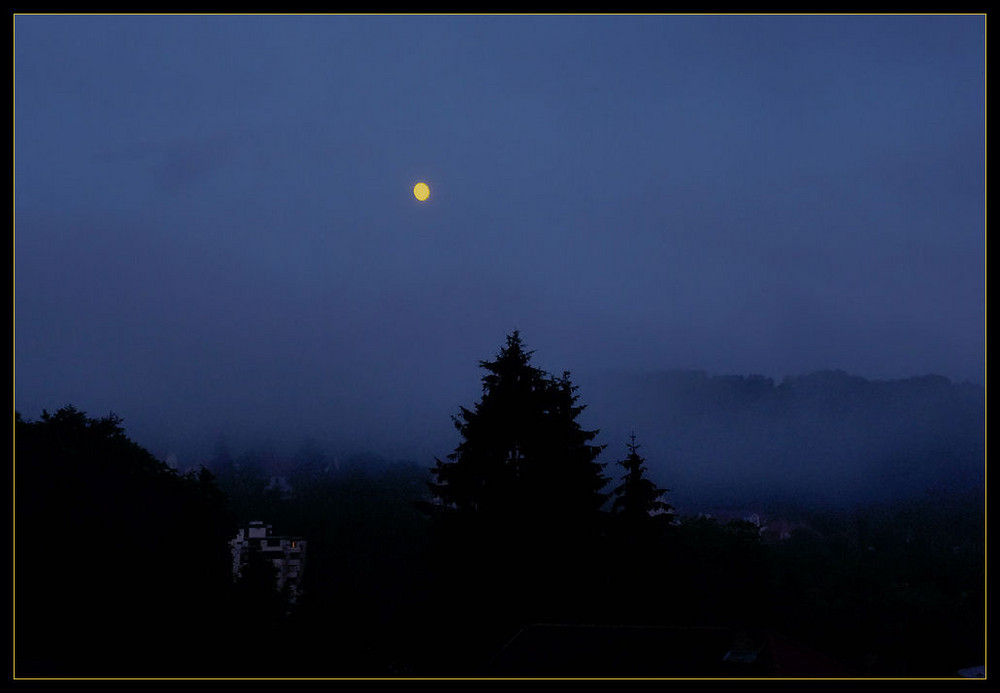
[{"x": 421, "y": 191}]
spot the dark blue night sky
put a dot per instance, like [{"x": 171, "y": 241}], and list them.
[{"x": 216, "y": 236}]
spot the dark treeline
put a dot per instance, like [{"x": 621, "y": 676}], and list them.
[
  {"x": 117, "y": 556},
  {"x": 122, "y": 565}
]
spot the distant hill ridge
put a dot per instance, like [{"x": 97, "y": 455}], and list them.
[{"x": 825, "y": 437}]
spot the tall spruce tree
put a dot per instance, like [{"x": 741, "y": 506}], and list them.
[
  {"x": 637, "y": 499},
  {"x": 525, "y": 465},
  {"x": 640, "y": 545}
]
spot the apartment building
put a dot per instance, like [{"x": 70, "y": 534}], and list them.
[{"x": 286, "y": 553}]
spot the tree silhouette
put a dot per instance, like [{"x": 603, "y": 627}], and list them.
[
  {"x": 116, "y": 553},
  {"x": 517, "y": 504},
  {"x": 524, "y": 462},
  {"x": 260, "y": 606},
  {"x": 637, "y": 499},
  {"x": 640, "y": 545}
]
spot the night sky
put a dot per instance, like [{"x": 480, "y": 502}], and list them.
[{"x": 216, "y": 235}]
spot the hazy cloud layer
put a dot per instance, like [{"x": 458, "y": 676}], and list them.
[{"x": 215, "y": 234}]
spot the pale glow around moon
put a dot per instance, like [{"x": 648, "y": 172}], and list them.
[{"x": 421, "y": 191}]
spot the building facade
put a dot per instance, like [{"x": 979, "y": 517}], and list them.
[{"x": 287, "y": 554}]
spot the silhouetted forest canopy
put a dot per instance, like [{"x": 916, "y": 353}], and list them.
[{"x": 123, "y": 564}]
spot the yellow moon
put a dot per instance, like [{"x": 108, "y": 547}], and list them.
[{"x": 421, "y": 191}]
